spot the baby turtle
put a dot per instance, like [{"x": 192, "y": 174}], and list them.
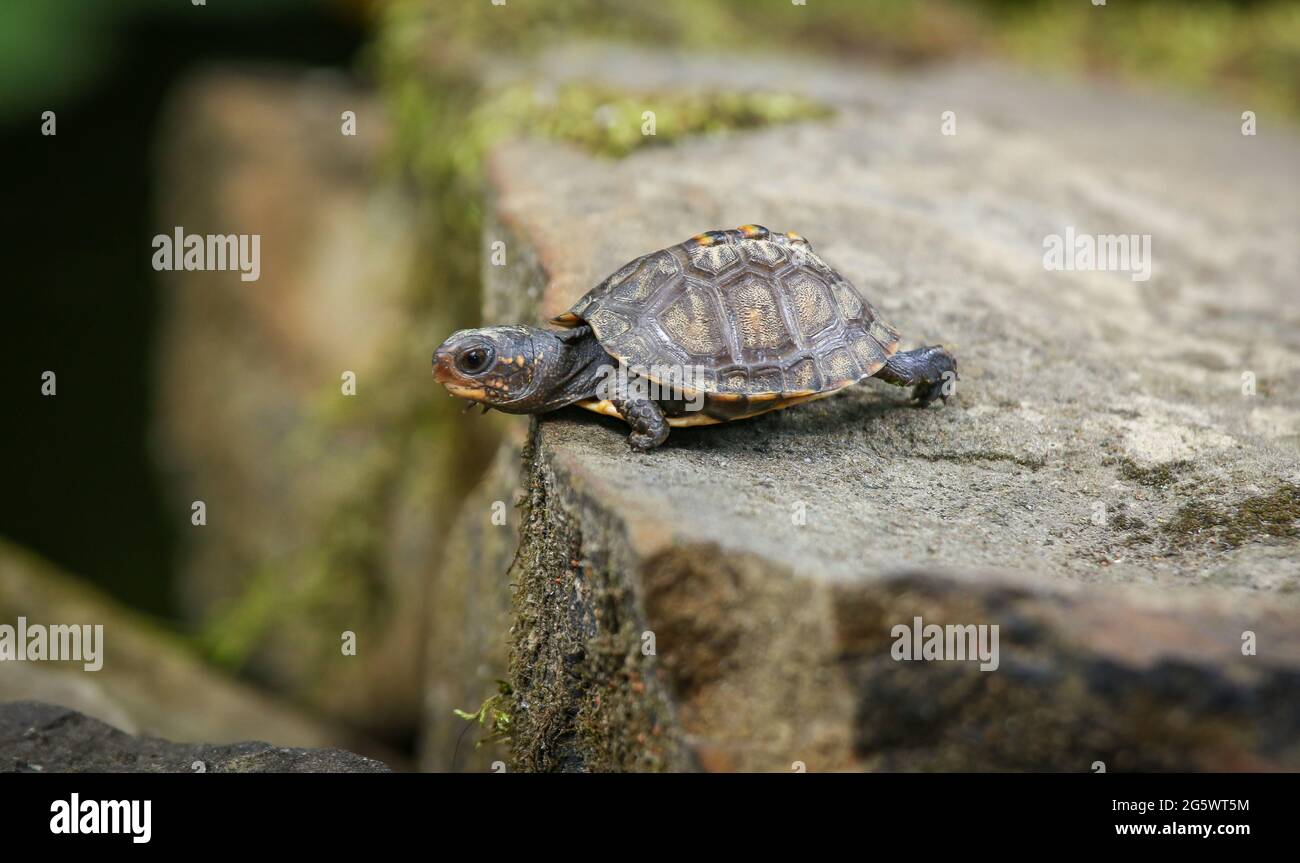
[{"x": 724, "y": 326}]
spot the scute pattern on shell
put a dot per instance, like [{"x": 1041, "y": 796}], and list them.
[{"x": 753, "y": 315}]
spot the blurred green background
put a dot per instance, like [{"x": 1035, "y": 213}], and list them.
[{"x": 1245, "y": 49}]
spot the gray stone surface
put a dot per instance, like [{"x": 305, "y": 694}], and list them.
[
  {"x": 1081, "y": 392},
  {"x": 44, "y": 738}
]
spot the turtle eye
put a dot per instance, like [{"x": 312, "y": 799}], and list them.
[{"x": 475, "y": 360}]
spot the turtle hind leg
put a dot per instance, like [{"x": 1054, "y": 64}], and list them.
[{"x": 931, "y": 371}]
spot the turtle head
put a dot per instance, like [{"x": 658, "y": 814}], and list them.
[{"x": 519, "y": 370}]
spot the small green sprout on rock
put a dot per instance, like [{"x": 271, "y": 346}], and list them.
[{"x": 493, "y": 715}]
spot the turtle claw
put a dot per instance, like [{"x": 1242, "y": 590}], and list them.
[
  {"x": 637, "y": 442},
  {"x": 924, "y": 394}
]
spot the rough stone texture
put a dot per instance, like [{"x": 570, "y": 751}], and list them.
[
  {"x": 1081, "y": 393},
  {"x": 469, "y": 599},
  {"x": 469, "y": 614},
  {"x": 43, "y": 738},
  {"x": 324, "y": 510},
  {"x": 150, "y": 681}
]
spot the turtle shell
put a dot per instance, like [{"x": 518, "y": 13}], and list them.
[{"x": 744, "y": 316}]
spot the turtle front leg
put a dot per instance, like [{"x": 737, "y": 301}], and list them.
[
  {"x": 929, "y": 370},
  {"x": 649, "y": 428}
]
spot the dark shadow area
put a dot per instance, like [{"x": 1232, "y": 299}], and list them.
[{"x": 79, "y": 484}]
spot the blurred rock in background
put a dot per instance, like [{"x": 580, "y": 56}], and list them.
[
  {"x": 324, "y": 509},
  {"x": 151, "y": 682}
]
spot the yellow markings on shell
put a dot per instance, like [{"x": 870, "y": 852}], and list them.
[
  {"x": 750, "y": 230},
  {"x": 794, "y": 400},
  {"x": 601, "y": 406},
  {"x": 699, "y": 418},
  {"x": 767, "y": 397},
  {"x": 695, "y": 418},
  {"x": 606, "y": 408},
  {"x": 703, "y": 239}
]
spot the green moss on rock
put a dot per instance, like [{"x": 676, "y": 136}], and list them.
[
  {"x": 1270, "y": 515},
  {"x": 586, "y": 699},
  {"x": 1160, "y": 476},
  {"x": 1124, "y": 521},
  {"x": 614, "y": 123}
]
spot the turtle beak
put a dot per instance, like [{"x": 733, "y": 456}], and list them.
[{"x": 442, "y": 367}]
